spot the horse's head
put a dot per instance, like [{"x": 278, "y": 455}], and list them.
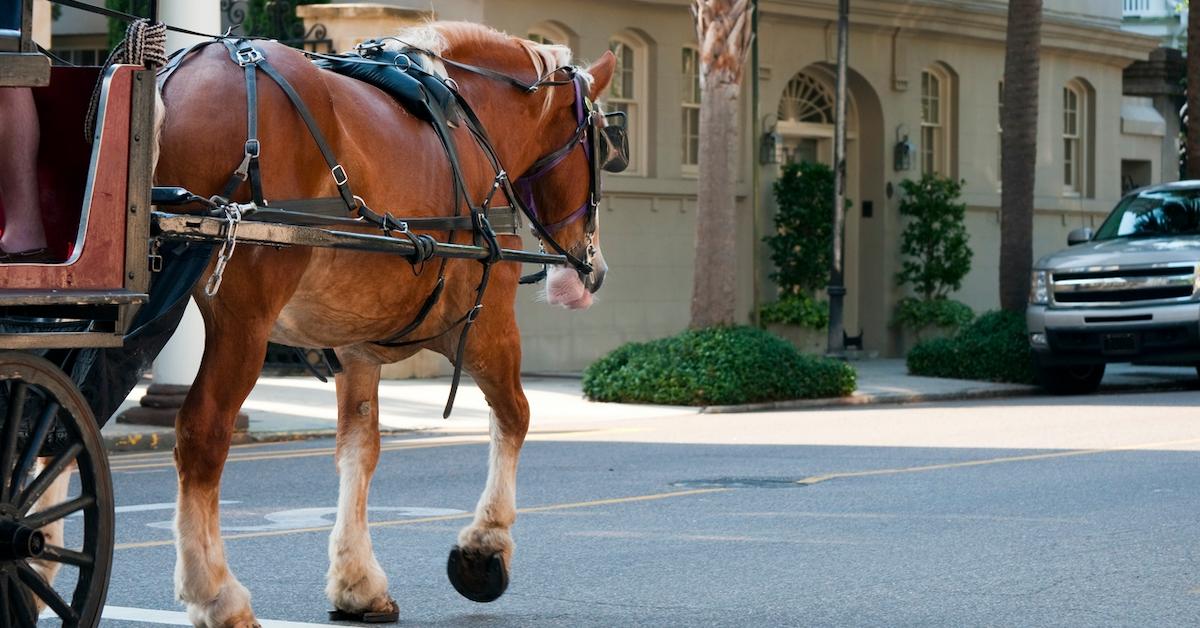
[
  {"x": 550, "y": 132},
  {"x": 563, "y": 186}
]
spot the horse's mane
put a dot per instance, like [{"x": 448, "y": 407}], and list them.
[{"x": 444, "y": 38}]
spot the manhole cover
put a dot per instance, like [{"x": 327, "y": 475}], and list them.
[{"x": 739, "y": 483}]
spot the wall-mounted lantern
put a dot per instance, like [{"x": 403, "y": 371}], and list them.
[
  {"x": 768, "y": 147},
  {"x": 903, "y": 153}
]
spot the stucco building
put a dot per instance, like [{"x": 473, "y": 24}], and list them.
[{"x": 926, "y": 73}]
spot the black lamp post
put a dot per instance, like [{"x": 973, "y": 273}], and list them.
[{"x": 837, "y": 288}]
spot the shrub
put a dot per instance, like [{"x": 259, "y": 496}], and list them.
[
  {"x": 919, "y": 314},
  {"x": 934, "y": 236},
  {"x": 796, "y": 309},
  {"x": 715, "y": 366},
  {"x": 994, "y": 347},
  {"x": 803, "y": 238}
]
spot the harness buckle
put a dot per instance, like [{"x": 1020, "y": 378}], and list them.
[
  {"x": 339, "y": 175},
  {"x": 252, "y": 148},
  {"x": 474, "y": 313},
  {"x": 248, "y": 56},
  {"x": 155, "y": 258}
]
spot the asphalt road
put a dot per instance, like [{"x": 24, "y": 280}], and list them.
[{"x": 699, "y": 521}]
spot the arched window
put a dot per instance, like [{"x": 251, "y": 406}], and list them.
[
  {"x": 626, "y": 94},
  {"x": 1076, "y": 138},
  {"x": 806, "y": 99},
  {"x": 538, "y": 37},
  {"x": 690, "y": 103},
  {"x": 551, "y": 32},
  {"x": 937, "y": 121}
]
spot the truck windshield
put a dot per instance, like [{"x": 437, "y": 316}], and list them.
[{"x": 1153, "y": 214}]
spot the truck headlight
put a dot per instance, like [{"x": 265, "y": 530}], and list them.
[{"x": 1039, "y": 288}]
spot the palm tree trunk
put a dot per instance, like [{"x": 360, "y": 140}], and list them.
[
  {"x": 1193, "y": 95},
  {"x": 723, "y": 33},
  {"x": 1018, "y": 153}
]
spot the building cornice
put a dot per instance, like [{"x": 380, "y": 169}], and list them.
[{"x": 1101, "y": 39}]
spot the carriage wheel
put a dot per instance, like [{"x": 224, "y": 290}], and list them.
[{"x": 47, "y": 432}]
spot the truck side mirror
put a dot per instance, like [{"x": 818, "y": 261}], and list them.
[{"x": 1079, "y": 236}]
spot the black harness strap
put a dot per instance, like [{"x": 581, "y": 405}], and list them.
[
  {"x": 249, "y": 168},
  {"x": 247, "y": 55}
]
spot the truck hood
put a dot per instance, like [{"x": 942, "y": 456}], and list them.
[{"x": 1124, "y": 252}]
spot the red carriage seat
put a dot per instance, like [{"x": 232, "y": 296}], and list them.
[{"x": 82, "y": 185}]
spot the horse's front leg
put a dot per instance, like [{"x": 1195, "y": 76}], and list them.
[
  {"x": 233, "y": 354},
  {"x": 478, "y": 566},
  {"x": 355, "y": 583}
]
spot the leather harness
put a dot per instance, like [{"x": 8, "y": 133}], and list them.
[{"x": 437, "y": 101}]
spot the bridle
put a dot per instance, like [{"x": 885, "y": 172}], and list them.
[
  {"x": 605, "y": 147},
  {"x": 599, "y": 150}
]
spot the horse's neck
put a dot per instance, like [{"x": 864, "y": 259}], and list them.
[{"x": 512, "y": 133}]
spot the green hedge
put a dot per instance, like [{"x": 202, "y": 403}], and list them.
[
  {"x": 994, "y": 347},
  {"x": 918, "y": 314},
  {"x": 796, "y": 309},
  {"x": 715, "y": 366}
]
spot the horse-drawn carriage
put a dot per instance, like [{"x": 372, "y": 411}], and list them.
[{"x": 76, "y": 333}]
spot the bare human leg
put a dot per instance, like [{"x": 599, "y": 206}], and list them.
[{"x": 19, "y": 136}]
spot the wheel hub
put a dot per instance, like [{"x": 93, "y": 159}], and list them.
[{"x": 18, "y": 542}]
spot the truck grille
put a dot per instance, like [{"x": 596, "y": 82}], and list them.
[{"x": 1125, "y": 285}]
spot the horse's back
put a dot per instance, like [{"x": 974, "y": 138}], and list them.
[{"x": 205, "y": 129}]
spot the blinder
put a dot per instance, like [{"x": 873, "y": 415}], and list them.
[{"x": 612, "y": 142}]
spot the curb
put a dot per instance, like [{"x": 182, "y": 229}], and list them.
[{"x": 1017, "y": 390}]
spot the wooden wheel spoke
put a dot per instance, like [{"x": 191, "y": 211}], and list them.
[
  {"x": 33, "y": 447},
  {"x": 43, "y": 590},
  {"x": 43, "y": 481},
  {"x": 42, "y": 518},
  {"x": 22, "y": 607},
  {"x": 68, "y": 557},
  {"x": 8, "y": 441}
]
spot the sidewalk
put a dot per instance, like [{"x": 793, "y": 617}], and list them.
[{"x": 288, "y": 408}]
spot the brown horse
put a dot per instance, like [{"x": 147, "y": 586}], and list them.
[{"x": 346, "y": 300}]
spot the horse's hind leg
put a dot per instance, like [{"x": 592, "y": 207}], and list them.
[
  {"x": 478, "y": 566},
  {"x": 356, "y": 584},
  {"x": 233, "y": 355}
]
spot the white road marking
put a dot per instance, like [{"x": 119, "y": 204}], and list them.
[
  {"x": 152, "y": 507},
  {"x": 179, "y": 618},
  {"x": 299, "y": 518}
]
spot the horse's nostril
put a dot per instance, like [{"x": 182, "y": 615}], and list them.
[{"x": 594, "y": 281}]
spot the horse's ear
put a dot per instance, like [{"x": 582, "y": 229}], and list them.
[{"x": 602, "y": 73}]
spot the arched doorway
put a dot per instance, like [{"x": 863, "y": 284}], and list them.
[{"x": 804, "y": 122}]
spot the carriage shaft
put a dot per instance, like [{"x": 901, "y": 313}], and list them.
[{"x": 211, "y": 230}]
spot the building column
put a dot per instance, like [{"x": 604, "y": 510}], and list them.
[
  {"x": 202, "y": 16},
  {"x": 177, "y": 364}
]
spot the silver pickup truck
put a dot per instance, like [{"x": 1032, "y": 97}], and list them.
[{"x": 1130, "y": 292}]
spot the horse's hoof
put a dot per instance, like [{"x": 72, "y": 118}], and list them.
[
  {"x": 390, "y": 616},
  {"x": 477, "y": 577}
]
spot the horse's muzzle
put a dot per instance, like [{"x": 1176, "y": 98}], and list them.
[{"x": 594, "y": 280}]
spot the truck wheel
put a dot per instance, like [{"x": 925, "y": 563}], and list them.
[{"x": 1070, "y": 380}]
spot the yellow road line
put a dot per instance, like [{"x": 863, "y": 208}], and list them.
[
  {"x": 816, "y": 479},
  {"x": 467, "y": 515},
  {"x": 304, "y": 453},
  {"x": 415, "y": 443}
]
